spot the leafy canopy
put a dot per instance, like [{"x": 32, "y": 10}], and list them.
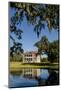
[{"x": 37, "y": 15}]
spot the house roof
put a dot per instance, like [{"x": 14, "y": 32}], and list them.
[{"x": 31, "y": 52}]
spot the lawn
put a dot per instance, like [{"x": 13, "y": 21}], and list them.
[{"x": 16, "y": 66}]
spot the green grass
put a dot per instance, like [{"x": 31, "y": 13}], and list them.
[{"x": 16, "y": 66}]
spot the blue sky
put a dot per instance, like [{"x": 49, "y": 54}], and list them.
[{"x": 29, "y": 37}]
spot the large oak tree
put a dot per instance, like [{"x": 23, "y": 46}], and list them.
[{"x": 36, "y": 14}]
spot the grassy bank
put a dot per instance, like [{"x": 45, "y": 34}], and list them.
[{"x": 16, "y": 66}]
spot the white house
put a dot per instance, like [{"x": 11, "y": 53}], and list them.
[{"x": 33, "y": 57}]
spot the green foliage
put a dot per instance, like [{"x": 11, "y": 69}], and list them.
[
  {"x": 37, "y": 15},
  {"x": 43, "y": 44},
  {"x": 15, "y": 48},
  {"x": 17, "y": 57},
  {"x": 44, "y": 60},
  {"x": 51, "y": 48},
  {"x": 15, "y": 34},
  {"x": 53, "y": 53}
]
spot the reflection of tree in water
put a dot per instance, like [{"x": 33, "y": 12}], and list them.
[
  {"x": 14, "y": 73},
  {"x": 40, "y": 81},
  {"x": 53, "y": 79}
]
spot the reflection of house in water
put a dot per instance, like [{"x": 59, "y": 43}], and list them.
[
  {"x": 30, "y": 57},
  {"x": 31, "y": 73}
]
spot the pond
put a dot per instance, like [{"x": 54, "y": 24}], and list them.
[{"x": 33, "y": 77}]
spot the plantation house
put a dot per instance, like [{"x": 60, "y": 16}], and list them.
[
  {"x": 30, "y": 57},
  {"x": 33, "y": 57}
]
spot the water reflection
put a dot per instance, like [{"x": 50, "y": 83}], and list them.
[
  {"x": 53, "y": 78},
  {"x": 33, "y": 77}
]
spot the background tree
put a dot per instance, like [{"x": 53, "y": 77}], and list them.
[
  {"x": 51, "y": 48},
  {"x": 43, "y": 45},
  {"x": 53, "y": 54}
]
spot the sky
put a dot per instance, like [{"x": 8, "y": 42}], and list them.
[{"x": 29, "y": 37}]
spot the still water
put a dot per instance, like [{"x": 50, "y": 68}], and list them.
[{"x": 33, "y": 77}]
